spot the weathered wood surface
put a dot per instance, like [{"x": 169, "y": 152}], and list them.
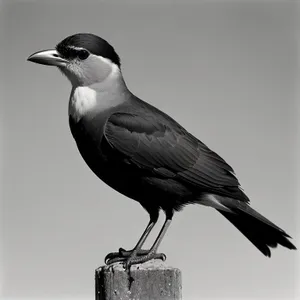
[{"x": 152, "y": 280}]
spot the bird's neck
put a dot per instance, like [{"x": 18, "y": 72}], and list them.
[
  {"x": 98, "y": 97},
  {"x": 113, "y": 83}
]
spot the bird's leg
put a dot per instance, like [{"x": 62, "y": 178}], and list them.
[
  {"x": 123, "y": 254},
  {"x": 152, "y": 253}
]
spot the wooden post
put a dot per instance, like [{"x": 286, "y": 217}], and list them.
[{"x": 152, "y": 280}]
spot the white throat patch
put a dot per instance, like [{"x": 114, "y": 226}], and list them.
[
  {"x": 99, "y": 95},
  {"x": 83, "y": 99}
]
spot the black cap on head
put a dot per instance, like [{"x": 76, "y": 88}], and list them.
[{"x": 93, "y": 43}]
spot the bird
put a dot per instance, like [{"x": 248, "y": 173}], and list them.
[{"x": 143, "y": 153}]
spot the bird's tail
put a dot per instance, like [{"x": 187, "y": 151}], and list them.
[{"x": 259, "y": 230}]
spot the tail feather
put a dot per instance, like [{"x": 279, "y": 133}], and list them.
[{"x": 259, "y": 230}]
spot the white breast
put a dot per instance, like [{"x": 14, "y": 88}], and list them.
[{"x": 83, "y": 99}]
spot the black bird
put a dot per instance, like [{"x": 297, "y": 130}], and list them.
[{"x": 143, "y": 153}]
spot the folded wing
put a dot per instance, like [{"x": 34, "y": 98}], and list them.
[{"x": 162, "y": 147}]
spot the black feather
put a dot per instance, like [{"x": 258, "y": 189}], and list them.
[
  {"x": 93, "y": 43},
  {"x": 153, "y": 140},
  {"x": 261, "y": 234}
]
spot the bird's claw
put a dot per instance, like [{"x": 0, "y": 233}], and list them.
[
  {"x": 130, "y": 260},
  {"x": 122, "y": 254},
  {"x": 133, "y": 260},
  {"x": 115, "y": 260}
]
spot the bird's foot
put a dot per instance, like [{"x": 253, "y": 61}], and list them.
[
  {"x": 130, "y": 257},
  {"x": 121, "y": 255},
  {"x": 139, "y": 259}
]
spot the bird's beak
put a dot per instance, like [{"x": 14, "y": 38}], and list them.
[{"x": 48, "y": 57}]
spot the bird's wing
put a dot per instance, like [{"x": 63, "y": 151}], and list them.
[{"x": 166, "y": 149}]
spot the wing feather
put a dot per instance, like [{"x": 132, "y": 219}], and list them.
[{"x": 168, "y": 150}]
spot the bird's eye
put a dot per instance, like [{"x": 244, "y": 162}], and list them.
[{"x": 83, "y": 54}]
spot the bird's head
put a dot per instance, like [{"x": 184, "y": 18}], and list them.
[{"x": 83, "y": 57}]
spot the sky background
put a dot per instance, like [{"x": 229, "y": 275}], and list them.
[{"x": 227, "y": 71}]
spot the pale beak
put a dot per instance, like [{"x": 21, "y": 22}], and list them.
[{"x": 48, "y": 57}]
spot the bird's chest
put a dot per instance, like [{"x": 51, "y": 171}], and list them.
[
  {"x": 88, "y": 134},
  {"x": 87, "y": 120},
  {"x": 83, "y": 100},
  {"x": 94, "y": 149}
]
